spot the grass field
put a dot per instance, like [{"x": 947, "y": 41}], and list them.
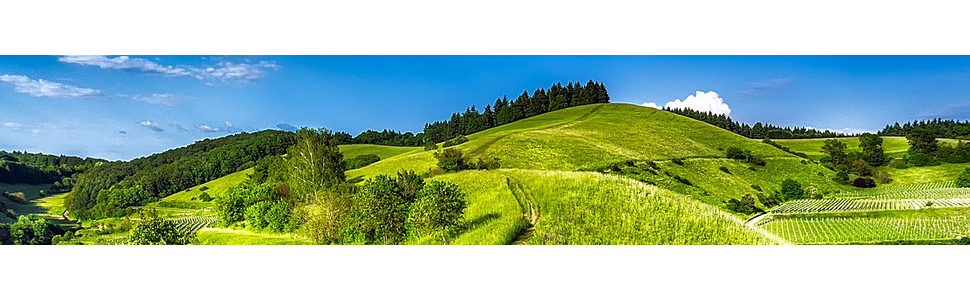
[
  {"x": 593, "y": 208},
  {"x": 220, "y": 236},
  {"x": 384, "y": 152},
  {"x": 893, "y": 146},
  {"x": 493, "y": 215},
  {"x": 31, "y": 191},
  {"x": 187, "y": 202}
]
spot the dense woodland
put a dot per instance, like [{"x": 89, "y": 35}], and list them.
[
  {"x": 35, "y": 168},
  {"x": 504, "y": 111},
  {"x": 758, "y": 131},
  {"x": 939, "y": 128},
  {"x": 114, "y": 186}
]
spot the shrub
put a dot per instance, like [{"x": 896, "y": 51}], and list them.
[
  {"x": 770, "y": 200},
  {"x": 682, "y": 180},
  {"x": 963, "y": 180},
  {"x": 450, "y": 159},
  {"x": 487, "y": 162},
  {"x": 158, "y": 231},
  {"x": 431, "y": 145},
  {"x": 361, "y": 161},
  {"x": 272, "y": 215},
  {"x": 752, "y": 169},
  {"x": 203, "y": 189},
  {"x": 204, "y": 197},
  {"x": 841, "y": 177},
  {"x": 898, "y": 163},
  {"x": 791, "y": 189},
  {"x": 918, "y": 159},
  {"x": 724, "y": 169},
  {"x": 678, "y": 161},
  {"x": 745, "y": 206},
  {"x": 864, "y": 182},
  {"x": 756, "y": 187}
]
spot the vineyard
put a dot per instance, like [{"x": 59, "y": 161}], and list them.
[
  {"x": 193, "y": 224},
  {"x": 848, "y": 230},
  {"x": 930, "y": 190},
  {"x": 839, "y": 205}
]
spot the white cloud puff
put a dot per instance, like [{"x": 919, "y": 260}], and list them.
[
  {"x": 700, "y": 101},
  {"x": 44, "y": 88},
  {"x": 223, "y": 71},
  {"x": 163, "y": 99},
  {"x": 151, "y": 125},
  {"x": 207, "y": 128}
]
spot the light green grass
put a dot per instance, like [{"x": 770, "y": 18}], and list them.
[
  {"x": 384, "y": 152},
  {"x": 913, "y": 175},
  {"x": 218, "y": 236},
  {"x": 893, "y": 146},
  {"x": 586, "y": 136},
  {"x": 216, "y": 187},
  {"x": 593, "y": 208},
  {"x": 493, "y": 216}
]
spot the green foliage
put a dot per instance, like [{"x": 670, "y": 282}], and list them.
[
  {"x": 486, "y": 162},
  {"x": 450, "y": 159},
  {"x": 864, "y": 182},
  {"x": 205, "y": 197},
  {"x": 33, "y": 231},
  {"x": 791, "y": 189},
  {"x": 385, "y": 209},
  {"x": 872, "y": 151},
  {"x": 841, "y": 177},
  {"x": 745, "y": 155},
  {"x": 724, "y": 169},
  {"x": 315, "y": 162},
  {"x": 362, "y": 161},
  {"x": 964, "y": 179},
  {"x": 440, "y": 205},
  {"x": 744, "y": 206},
  {"x": 112, "y": 187},
  {"x": 835, "y": 149},
  {"x": 922, "y": 140},
  {"x": 158, "y": 231},
  {"x": 918, "y": 159},
  {"x": 271, "y": 215},
  {"x": 232, "y": 206},
  {"x": 759, "y": 130},
  {"x": 5, "y": 237},
  {"x": 430, "y": 145}
]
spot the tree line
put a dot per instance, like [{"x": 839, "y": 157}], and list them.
[
  {"x": 503, "y": 111},
  {"x": 938, "y": 127},
  {"x": 37, "y": 168},
  {"x": 758, "y": 130},
  {"x": 111, "y": 188}
]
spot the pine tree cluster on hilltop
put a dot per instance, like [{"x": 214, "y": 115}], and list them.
[
  {"x": 940, "y": 128},
  {"x": 504, "y": 111},
  {"x": 758, "y": 131}
]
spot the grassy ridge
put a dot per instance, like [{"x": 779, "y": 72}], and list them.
[
  {"x": 382, "y": 151},
  {"x": 893, "y": 146},
  {"x": 593, "y": 208}
]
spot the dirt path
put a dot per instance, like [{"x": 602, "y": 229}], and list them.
[
  {"x": 530, "y": 211},
  {"x": 753, "y": 223}
]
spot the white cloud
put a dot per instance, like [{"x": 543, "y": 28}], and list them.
[
  {"x": 44, "y": 88},
  {"x": 700, "y": 101},
  {"x": 151, "y": 125},
  {"x": 163, "y": 99},
  {"x": 13, "y": 125},
  {"x": 207, "y": 128},
  {"x": 223, "y": 71}
]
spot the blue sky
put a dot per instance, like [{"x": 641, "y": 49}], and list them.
[{"x": 121, "y": 107}]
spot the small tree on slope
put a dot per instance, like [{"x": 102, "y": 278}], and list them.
[{"x": 440, "y": 205}]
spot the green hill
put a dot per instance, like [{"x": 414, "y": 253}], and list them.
[
  {"x": 382, "y": 151},
  {"x": 893, "y": 146}
]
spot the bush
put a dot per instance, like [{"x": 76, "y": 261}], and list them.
[
  {"x": 724, "y": 169},
  {"x": 756, "y": 187},
  {"x": 204, "y": 197},
  {"x": 682, "y": 180},
  {"x": 770, "y": 200},
  {"x": 791, "y": 189},
  {"x": 841, "y": 177},
  {"x": 864, "y": 182},
  {"x": 450, "y": 159},
  {"x": 486, "y": 162},
  {"x": 272, "y": 215},
  {"x": 963, "y": 180},
  {"x": 441, "y": 205},
  {"x": 203, "y": 189},
  {"x": 752, "y": 169},
  {"x": 745, "y": 206},
  {"x": 455, "y": 141},
  {"x": 678, "y": 161},
  {"x": 361, "y": 161},
  {"x": 917, "y": 159},
  {"x": 158, "y": 231}
]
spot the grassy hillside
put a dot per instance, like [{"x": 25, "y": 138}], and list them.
[
  {"x": 586, "y": 137},
  {"x": 893, "y": 146},
  {"x": 382, "y": 151},
  {"x": 187, "y": 202}
]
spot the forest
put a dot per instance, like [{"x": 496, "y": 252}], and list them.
[
  {"x": 36, "y": 168},
  {"x": 939, "y": 128},
  {"x": 114, "y": 186}
]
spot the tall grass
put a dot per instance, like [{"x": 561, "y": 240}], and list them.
[{"x": 592, "y": 208}]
